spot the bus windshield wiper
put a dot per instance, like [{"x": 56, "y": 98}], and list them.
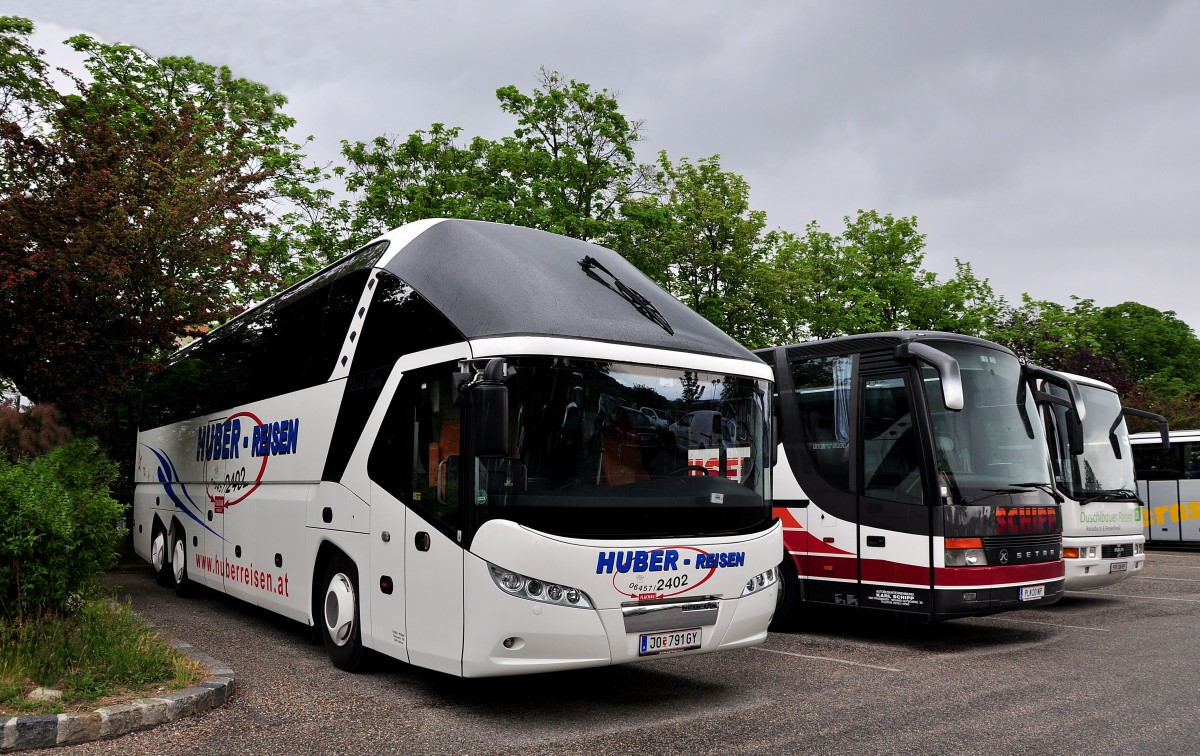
[
  {"x": 1111, "y": 494},
  {"x": 630, "y": 295},
  {"x": 1012, "y": 488}
]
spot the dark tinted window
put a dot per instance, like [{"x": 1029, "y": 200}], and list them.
[
  {"x": 416, "y": 454},
  {"x": 270, "y": 350},
  {"x": 1180, "y": 462},
  {"x": 823, "y": 401},
  {"x": 400, "y": 321},
  {"x": 891, "y": 460}
]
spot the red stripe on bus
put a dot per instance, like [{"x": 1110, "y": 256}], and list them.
[{"x": 1019, "y": 573}]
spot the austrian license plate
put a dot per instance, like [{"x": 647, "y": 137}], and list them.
[
  {"x": 1118, "y": 566},
  {"x": 1031, "y": 592},
  {"x": 674, "y": 640}
]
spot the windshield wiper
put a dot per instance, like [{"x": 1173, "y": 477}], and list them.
[
  {"x": 630, "y": 295},
  {"x": 1013, "y": 488},
  {"x": 1112, "y": 494}
]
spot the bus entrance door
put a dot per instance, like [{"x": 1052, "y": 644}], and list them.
[
  {"x": 894, "y": 520},
  {"x": 387, "y": 569},
  {"x": 1162, "y": 511}
]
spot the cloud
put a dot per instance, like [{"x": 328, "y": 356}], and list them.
[{"x": 1051, "y": 145}]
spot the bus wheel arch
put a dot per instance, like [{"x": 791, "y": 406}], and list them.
[
  {"x": 337, "y": 607},
  {"x": 787, "y": 608}
]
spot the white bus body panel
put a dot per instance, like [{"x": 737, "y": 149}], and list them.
[
  {"x": 1105, "y": 527},
  {"x": 559, "y": 637},
  {"x": 1172, "y": 511}
]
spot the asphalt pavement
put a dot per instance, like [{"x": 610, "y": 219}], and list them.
[{"x": 1109, "y": 671}]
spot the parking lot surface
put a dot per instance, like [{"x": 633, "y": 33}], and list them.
[{"x": 1108, "y": 671}]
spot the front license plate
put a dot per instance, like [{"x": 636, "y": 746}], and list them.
[
  {"x": 674, "y": 640},
  {"x": 1032, "y": 592},
  {"x": 1118, "y": 566}
]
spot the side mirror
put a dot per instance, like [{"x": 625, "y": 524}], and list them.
[
  {"x": 1034, "y": 372},
  {"x": 947, "y": 368},
  {"x": 489, "y": 412},
  {"x": 1163, "y": 429},
  {"x": 1074, "y": 424}
]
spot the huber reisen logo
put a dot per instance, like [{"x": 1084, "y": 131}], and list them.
[
  {"x": 223, "y": 440},
  {"x": 659, "y": 573}
]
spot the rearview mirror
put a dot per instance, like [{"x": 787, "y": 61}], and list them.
[{"x": 949, "y": 373}]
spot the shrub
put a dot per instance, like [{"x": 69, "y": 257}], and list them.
[
  {"x": 59, "y": 528},
  {"x": 33, "y": 432}
]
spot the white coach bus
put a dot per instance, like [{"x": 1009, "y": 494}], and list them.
[
  {"x": 436, "y": 449},
  {"x": 1103, "y": 538},
  {"x": 1168, "y": 478}
]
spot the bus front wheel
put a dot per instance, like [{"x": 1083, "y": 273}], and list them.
[{"x": 339, "y": 616}]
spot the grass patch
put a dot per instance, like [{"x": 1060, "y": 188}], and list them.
[{"x": 99, "y": 655}]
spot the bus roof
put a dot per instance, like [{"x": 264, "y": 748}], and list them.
[
  {"x": 1083, "y": 380},
  {"x": 492, "y": 280},
  {"x": 861, "y": 342},
  {"x": 1154, "y": 437}
]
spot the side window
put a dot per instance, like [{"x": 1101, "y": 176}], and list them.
[
  {"x": 345, "y": 289},
  {"x": 823, "y": 401},
  {"x": 1191, "y": 461},
  {"x": 891, "y": 453},
  {"x": 416, "y": 454},
  {"x": 1152, "y": 462},
  {"x": 400, "y": 322}
]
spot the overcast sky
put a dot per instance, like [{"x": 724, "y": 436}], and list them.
[{"x": 1055, "y": 146}]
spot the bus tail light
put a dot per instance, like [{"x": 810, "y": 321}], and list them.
[
  {"x": 516, "y": 584},
  {"x": 965, "y": 552}
]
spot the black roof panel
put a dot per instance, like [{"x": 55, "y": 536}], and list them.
[{"x": 490, "y": 279}]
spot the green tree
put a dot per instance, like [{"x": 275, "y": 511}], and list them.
[
  {"x": 700, "y": 240},
  {"x": 426, "y": 175},
  {"x": 870, "y": 278},
  {"x": 1169, "y": 397},
  {"x": 135, "y": 89},
  {"x": 963, "y": 304},
  {"x": 121, "y": 226},
  {"x": 1061, "y": 338},
  {"x": 25, "y": 90},
  {"x": 1152, "y": 343},
  {"x": 567, "y": 167},
  {"x": 571, "y": 155}
]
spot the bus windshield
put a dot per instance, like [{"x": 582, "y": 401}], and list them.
[
  {"x": 602, "y": 449},
  {"x": 995, "y": 444},
  {"x": 1106, "y": 463}
]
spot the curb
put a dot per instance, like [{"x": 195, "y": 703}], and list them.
[{"x": 49, "y": 730}]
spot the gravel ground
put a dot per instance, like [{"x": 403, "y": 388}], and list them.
[{"x": 1111, "y": 671}]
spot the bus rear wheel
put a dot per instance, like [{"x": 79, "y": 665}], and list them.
[
  {"x": 184, "y": 587},
  {"x": 159, "y": 556},
  {"x": 339, "y": 615}
]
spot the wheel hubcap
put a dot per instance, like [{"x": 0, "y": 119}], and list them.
[
  {"x": 158, "y": 551},
  {"x": 339, "y": 609},
  {"x": 179, "y": 560}
]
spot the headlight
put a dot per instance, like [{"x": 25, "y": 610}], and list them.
[
  {"x": 965, "y": 552},
  {"x": 518, "y": 585},
  {"x": 760, "y": 581}
]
